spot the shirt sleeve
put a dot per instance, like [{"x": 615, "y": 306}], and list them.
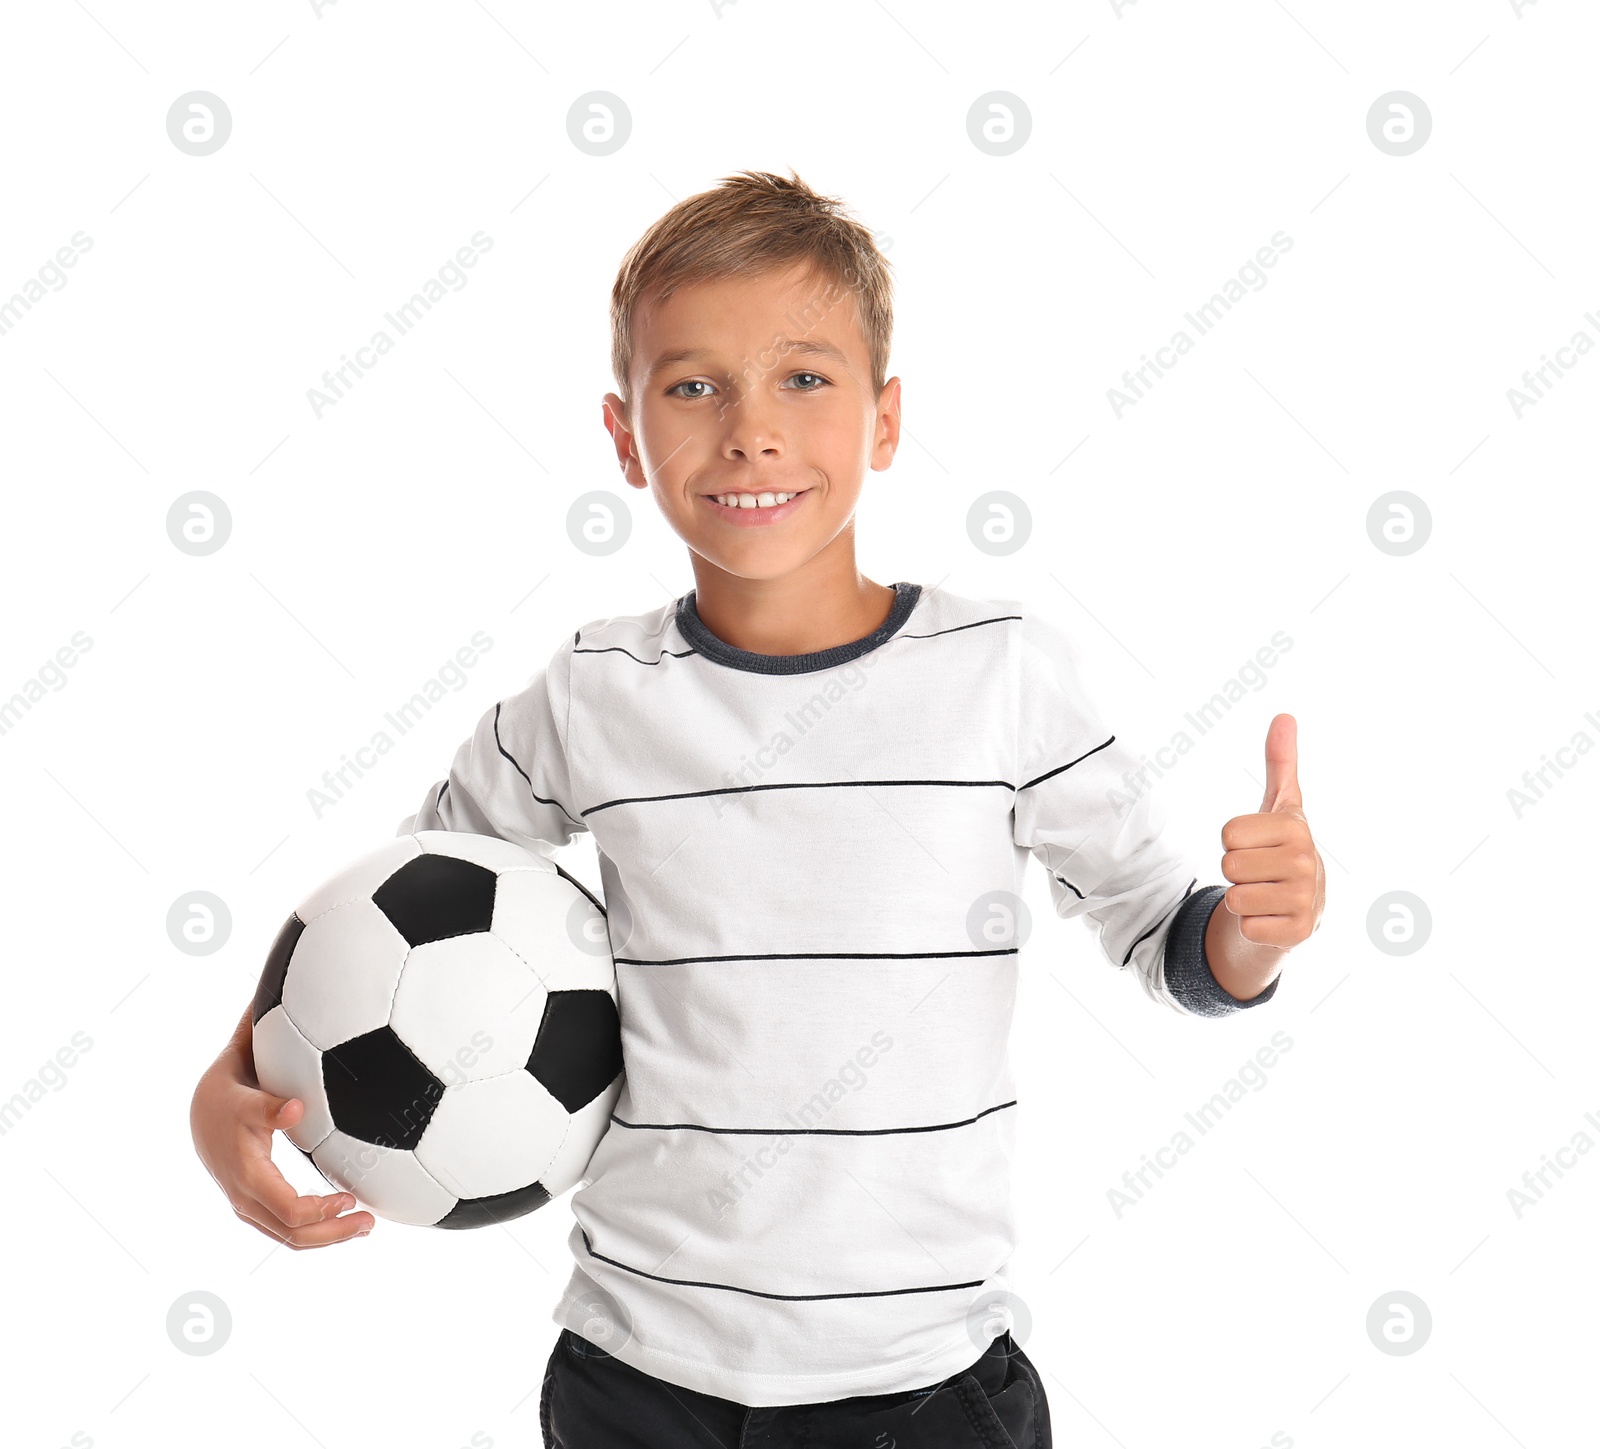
[
  {"x": 512, "y": 776},
  {"x": 1084, "y": 807}
]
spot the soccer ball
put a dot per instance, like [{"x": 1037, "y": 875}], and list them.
[{"x": 446, "y": 1009}]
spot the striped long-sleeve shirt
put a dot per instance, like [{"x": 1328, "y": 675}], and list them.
[{"x": 812, "y": 868}]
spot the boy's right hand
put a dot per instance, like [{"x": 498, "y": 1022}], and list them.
[{"x": 232, "y": 1120}]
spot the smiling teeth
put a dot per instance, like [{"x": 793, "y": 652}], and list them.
[{"x": 753, "y": 500}]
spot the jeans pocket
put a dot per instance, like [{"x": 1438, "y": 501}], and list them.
[
  {"x": 581, "y": 1347},
  {"x": 1012, "y": 1417},
  {"x": 981, "y": 1414}
]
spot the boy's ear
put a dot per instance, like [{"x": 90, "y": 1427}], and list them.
[
  {"x": 614, "y": 415},
  {"x": 887, "y": 440}
]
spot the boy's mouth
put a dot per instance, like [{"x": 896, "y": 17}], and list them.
[{"x": 752, "y": 510}]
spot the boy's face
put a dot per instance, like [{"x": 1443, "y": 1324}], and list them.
[{"x": 747, "y": 386}]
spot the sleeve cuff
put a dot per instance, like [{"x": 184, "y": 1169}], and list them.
[{"x": 1188, "y": 973}]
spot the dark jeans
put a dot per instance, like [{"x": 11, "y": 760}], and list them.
[{"x": 594, "y": 1401}]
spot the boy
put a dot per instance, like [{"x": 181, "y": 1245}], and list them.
[{"x": 813, "y": 797}]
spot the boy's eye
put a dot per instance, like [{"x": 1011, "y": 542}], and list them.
[{"x": 815, "y": 384}]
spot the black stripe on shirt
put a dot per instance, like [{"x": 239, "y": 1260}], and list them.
[
  {"x": 618, "y": 649},
  {"x": 801, "y": 785},
  {"x": 1158, "y": 924},
  {"x": 1070, "y": 763},
  {"x": 955, "y": 628},
  {"x": 500, "y": 745},
  {"x": 817, "y": 956},
  {"x": 786, "y": 1297},
  {"x": 806, "y": 1131}
]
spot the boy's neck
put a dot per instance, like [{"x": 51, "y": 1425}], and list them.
[{"x": 817, "y": 607}]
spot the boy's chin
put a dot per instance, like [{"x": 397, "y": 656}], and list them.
[{"x": 756, "y": 563}]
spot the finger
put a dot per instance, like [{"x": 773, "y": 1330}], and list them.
[
  {"x": 275, "y": 1113},
  {"x": 1283, "y": 763},
  {"x": 1281, "y": 931},
  {"x": 1269, "y": 898},
  {"x": 264, "y": 1182},
  {"x": 1253, "y": 832},
  {"x": 312, "y": 1235},
  {"x": 285, "y": 1211},
  {"x": 295, "y": 1209},
  {"x": 1278, "y": 862}
]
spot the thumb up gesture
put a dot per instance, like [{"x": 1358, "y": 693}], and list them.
[{"x": 1279, "y": 883}]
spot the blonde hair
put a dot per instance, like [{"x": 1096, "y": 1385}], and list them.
[{"x": 750, "y": 223}]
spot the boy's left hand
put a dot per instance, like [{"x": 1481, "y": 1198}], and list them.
[{"x": 1279, "y": 890}]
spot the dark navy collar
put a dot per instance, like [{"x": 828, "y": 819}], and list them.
[{"x": 707, "y": 643}]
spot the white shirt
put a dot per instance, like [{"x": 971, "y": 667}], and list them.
[{"x": 811, "y": 865}]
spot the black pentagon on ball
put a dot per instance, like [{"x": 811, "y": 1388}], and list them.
[
  {"x": 435, "y": 897},
  {"x": 378, "y": 1091},
  {"x": 269, "y": 990},
  {"x": 483, "y": 1212},
  {"x": 578, "y": 1051}
]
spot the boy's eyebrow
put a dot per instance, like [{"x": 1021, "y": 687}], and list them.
[{"x": 807, "y": 346}]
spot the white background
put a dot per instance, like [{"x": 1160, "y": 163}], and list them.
[{"x": 1168, "y": 143}]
